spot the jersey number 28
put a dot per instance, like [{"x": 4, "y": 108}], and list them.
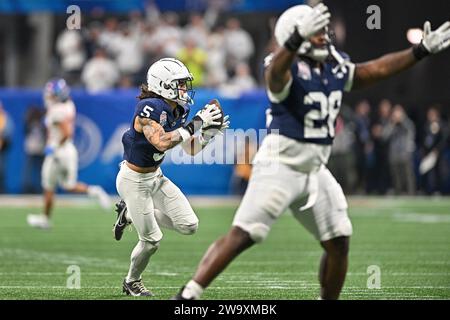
[{"x": 329, "y": 109}]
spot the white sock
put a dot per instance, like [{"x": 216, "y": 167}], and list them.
[
  {"x": 192, "y": 290},
  {"x": 139, "y": 259}
]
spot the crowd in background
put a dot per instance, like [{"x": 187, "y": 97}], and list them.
[
  {"x": 378, "y": 149},
  {"x": 112, "y": 53},
  {"x": 381, "y": 151}
]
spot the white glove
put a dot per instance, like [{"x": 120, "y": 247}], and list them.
[
  {"x": 316, "y": 21},
  {"x": 437, "y": 40},
  {"x": 207, "y": 135},
  {"x": 210, "y": 115}
]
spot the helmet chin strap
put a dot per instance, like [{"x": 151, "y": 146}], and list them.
[{"x": 341, "y": 66}]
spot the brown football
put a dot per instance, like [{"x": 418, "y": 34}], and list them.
[{"x": 217, "y": 103}]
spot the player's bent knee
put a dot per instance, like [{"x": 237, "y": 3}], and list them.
[
  {"x": 188, "y": 229},
  {"x": 257, "y": 231}
]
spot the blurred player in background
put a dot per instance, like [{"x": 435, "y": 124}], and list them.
[
  {"x": 150, "y": 200},
  {"x": 305, "y": 80},
  {"x": 60, "y": 165}
]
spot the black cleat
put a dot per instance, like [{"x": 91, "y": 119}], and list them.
[
  {"x": 136, "y": 289},
  {"x": 178, "y": 296},
  {"x": 121, "y": 222}
]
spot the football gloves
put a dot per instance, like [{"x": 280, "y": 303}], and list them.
[
  {"x": 210, "y": 115},
  {"x": 207, "y": 135},
  {"x": 437, "y": 40},
  {"x": 310, "y": 25}
]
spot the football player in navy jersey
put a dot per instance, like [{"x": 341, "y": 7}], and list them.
[
  {"x": 150, "y": 199},
  {"x": 305, "y": 79}
]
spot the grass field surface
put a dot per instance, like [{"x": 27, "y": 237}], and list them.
[{"x": 408, "y": 239}]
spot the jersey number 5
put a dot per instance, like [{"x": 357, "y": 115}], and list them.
[
  {"x": 319, "y": 124},
  {"x": 146, "y": 112}
]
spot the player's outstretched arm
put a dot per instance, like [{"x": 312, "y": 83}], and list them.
[{"x": 373, "y": 71}]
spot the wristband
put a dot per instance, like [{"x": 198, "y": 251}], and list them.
[
  {"x": 419, "y": 51},
  {"x": 185, "y": 135},
  {"x": 294, "y": 41},
  {"x": 194, "y": 125}
]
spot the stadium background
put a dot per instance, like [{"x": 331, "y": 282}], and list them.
[
  {"x": 406, "y": 237},
  {"x": 30, "y": 29}
]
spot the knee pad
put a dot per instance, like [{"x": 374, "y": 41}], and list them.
[
  {"x": 257, "y": 231},
  {"x": 188, "y": 229}
]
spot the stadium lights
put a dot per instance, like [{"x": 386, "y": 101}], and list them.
[{"x": 414, "y": 35}]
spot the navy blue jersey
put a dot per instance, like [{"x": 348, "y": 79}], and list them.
[
  {"x": 137, "y": 149},
  {"x": 309, "y": 111}
]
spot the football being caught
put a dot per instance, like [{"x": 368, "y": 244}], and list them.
[{"x": 217, "y": 103}]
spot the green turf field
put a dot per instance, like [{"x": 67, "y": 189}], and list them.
[{"x": 408, "y": 239}]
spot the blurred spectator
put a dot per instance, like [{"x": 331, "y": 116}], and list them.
[
  {"x": 197, "y": 31},
  {"x": 167, "y": 38},
  {"x": 380, "y": 174},
  {"x": 363, "y": 145},
  {"x": 152, "y": 13},
  {"x": 400, "y": 132},
  {"x": 128, "y": 51},
  {"x": 92, "y": 36},
  {"x": 136, "y": 22},
  {"x": 34, "y": 149},
  {"x": 434, "y": 172},
  {"x": 70, "y": 47},
  {"x": 216, "y": 72},
  {"x": 6, "y": 131},
  {"x": 242, "y": 81},
  {"x": 110, "y": 33},
  {"x": 342, "y": 159},
  {"x": 243, "y": 167},
  {"x": 100, "y": 72},
  {"x": 195, "y": 60},
  {"x": 238, "y": 44}
]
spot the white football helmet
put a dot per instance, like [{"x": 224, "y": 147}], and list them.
[
  {"x": 286, "y": 25},
  {"x": 171, "y": 79}
]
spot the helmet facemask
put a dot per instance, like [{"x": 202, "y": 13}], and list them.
[
  {"x": 183, "y": 91},
  {"x": 319, "y": 54}
]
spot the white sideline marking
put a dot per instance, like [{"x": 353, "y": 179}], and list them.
[
  {"x": 369, "y": 203},
  {"x": 61, "y": 258},
  {"x": 63, "y": 200},
  {"x": 421, "y": 217}
]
